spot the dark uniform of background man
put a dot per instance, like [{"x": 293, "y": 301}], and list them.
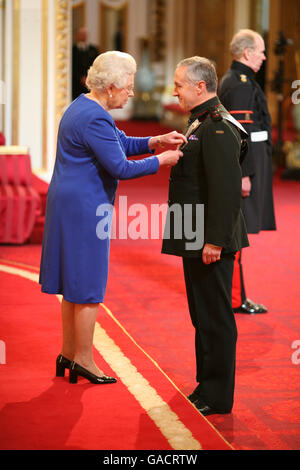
[
  {"x": 83, "y": 55},
  {"x": 244, "y": 99},
  {"x": 208, "y": 174}
]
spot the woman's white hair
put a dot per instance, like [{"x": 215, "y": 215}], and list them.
[
  {"x": 243, "y": 39},
  {"x": 110, "y": 68}
]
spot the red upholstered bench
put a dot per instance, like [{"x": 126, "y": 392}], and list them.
[
  {"x": 19, "y": 201},
  {"x": 41, "y": 188}
]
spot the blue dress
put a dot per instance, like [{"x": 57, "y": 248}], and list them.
[{"x": 90, "y": 159}]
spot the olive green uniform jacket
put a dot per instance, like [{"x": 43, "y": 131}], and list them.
[{"x": 208, "y": 176}]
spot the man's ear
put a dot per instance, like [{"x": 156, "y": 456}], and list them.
[
  {"x": 247, "y": 53},
  {"x": 201, "y": 87}
]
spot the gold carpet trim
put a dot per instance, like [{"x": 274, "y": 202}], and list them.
[
  {"x": 161, "y": 370},
  {"x": 20, "y": 272},
  {"x": 178, "y": 436}
]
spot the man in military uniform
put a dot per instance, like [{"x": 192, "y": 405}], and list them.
[
  {"x": 208, "y": 176},
  {"x": 244, "y": 99},
  {"x": 83, "y": 55}
]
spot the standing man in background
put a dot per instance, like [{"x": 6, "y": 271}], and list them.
[
  {"x": 244, "y": 99},
  {"x": 83, "y": 55}
]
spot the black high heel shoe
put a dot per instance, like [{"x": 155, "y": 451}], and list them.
[
  {"x": 62, "y": 363},
  {"x": 76, "y": 370}
]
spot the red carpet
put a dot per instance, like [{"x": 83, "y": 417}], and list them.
[
  {"x": 266, "y": 414},
  {"x": 146, "y": 295},
  {"x": 267, "y": 408},
  {"x": 143, "y": 411}
]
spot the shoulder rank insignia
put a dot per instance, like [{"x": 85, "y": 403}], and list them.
[
  {"x": 215, "y": 114},
  {"x": 243, "y": 77}
]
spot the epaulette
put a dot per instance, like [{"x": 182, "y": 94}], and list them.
[{"x": 215, "y": 113}]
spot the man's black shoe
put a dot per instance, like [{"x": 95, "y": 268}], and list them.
[
  {"x": 194, "y": 396},
  {"x": 251, "y": 308},
  {"x": 206, "y": 410}
]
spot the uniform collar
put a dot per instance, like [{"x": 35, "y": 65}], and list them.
[
  {"x": 242, "y": 68},
  {"x": 202, "y": 108}
]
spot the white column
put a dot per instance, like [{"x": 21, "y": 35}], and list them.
[
  {"x": 30, "y": 128},
  {"x": 137, "y": 26},
  {"x": 8, "y": 75},
  {"x": 170, "y": 41},
  {"x": 92, "y": 8},
  {"x": 174, "y": 37}
]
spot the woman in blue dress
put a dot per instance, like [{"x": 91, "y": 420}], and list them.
[{"x": 90, "y": 159}]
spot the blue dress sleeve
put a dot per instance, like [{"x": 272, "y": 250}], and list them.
[
  {"x": 134, "y": 145},
  {"x": 108, "y": 147}
]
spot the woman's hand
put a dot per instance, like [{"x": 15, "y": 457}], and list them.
[
  {"x": 169, "y": 157},
  {"x": 172, "y": 138}
]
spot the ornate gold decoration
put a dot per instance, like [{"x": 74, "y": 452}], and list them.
[{"x": 62, "y": 57}]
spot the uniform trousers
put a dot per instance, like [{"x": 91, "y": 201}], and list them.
[{"x": 209, "y": 291}]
